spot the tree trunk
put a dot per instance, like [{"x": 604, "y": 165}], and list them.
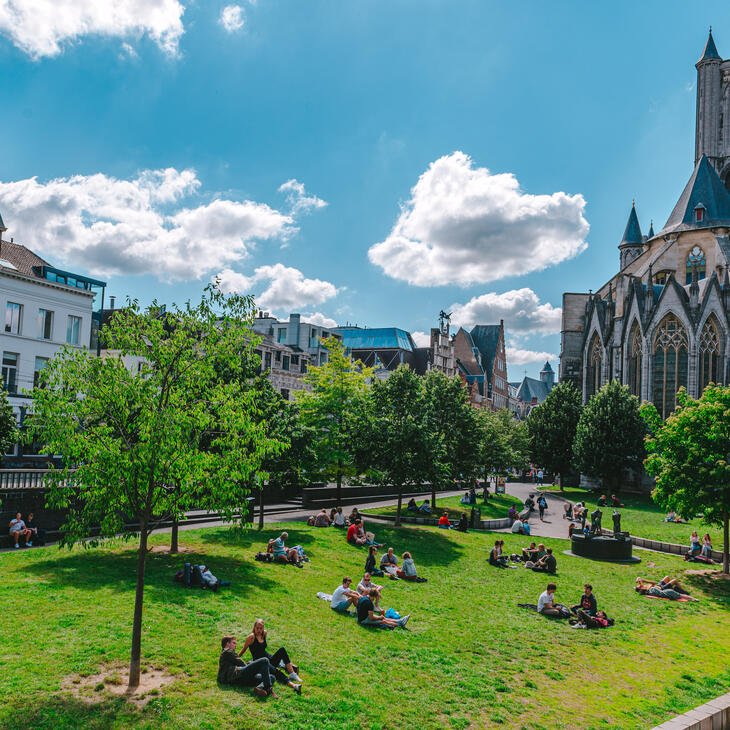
[
  {"x": 400, "y": 503},
  {"x": 433, "y": 496},
  {"x": 135, "y": 658},
  {"x": 339, "y": 484},
  {"x": 174, "y": 536},
  {"x": 726, "y": 543},
  {"x": 261, "y": 507},
  {"x": 560, "y": 481}
]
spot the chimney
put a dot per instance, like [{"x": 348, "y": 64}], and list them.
[{"x": 111, "y": 302}]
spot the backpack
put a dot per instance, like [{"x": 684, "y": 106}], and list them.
[{"x": 264, "y": 557}]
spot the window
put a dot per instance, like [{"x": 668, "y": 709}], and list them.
[
  {"x": 282, "y": 336},
  {"x": 267, "y": 361},
  {"x": 285, "y": 363},
  {"x": 699, "y": 213},
  {"x": 13, "y": 316},
  {"x": 696, "y": 257},
  {"x": 285, "y": 393},
  {"x": 73, "y": 330},
  {"x": 304, "y": 366},
  {"x": 10, "y": 371},
  {"x": 670, "y": 363},
  {"x": 277, "y": 357},
  {"x": 40, "y": 363},
  {"x": 709, "y": 353},
  {"x": 635, "y": 348},
  {"x": 661, "y": 278},
  {"x": 45, "y": 324},
  {"x": 295, "y": 359},
  {"x": 593, "y": 371}
]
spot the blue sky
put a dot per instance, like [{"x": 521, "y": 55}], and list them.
[{"x": 149, "y": 146}]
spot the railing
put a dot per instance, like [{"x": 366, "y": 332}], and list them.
[{"x": 19, "y": 479}]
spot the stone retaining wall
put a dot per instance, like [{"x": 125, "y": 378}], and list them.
[
  {"x": 713, "y": 715},
  {"x": 499, "y": 524},
  {"x": 664, "y": 547}
]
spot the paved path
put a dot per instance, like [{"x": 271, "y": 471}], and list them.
[{"x": 554, "y": 524}]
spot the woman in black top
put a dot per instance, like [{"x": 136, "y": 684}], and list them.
[
  {"x": 256, "y": 642},
  {"x": 370, "y": 564}
]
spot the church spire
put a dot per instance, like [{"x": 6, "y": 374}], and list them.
[
  {"x": 651, "y": 233},
  {"x": 632, "y": 233},
  {"x": 710, "y": 52}
]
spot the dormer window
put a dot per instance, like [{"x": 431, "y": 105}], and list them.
[{"x": 699, "y": 213}]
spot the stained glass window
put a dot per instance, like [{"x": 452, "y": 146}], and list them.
[
  {"x": 670, "y": 363},
  {"x": 709, "y": 353}
]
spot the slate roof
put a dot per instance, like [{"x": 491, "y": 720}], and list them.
[
  {"x": 632, "y": 232},
  {"x": 710, "y": 50},
  {"x": 651, "y": 233},
  {"x": 22, "y": 259},
  {"x": 532, "y": 388},
  {"x": 703, "y": 189},
  {"x": 547, "y": 368},
  {"x": 486, "y": 339}
]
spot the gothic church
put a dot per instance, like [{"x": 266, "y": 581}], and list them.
[{"x": 663, "y": 321}]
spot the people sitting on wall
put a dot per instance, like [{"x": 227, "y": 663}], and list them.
[
  {"x": 546, "y": 564},
  {"x": 695, "y": 545},
  {"x": 322, "y": 519},
  {"x": 568, "y": 511},
  {"x": 425, "y": 506},
  {"x": 526, "y": 529},
  {"x": 367, "y": 615},
  {"x": 513, "y": 514},
  {"x": 412, "y": 506},
  {"x": 517, "y": 527},
  {"x": 343, "y": 596},
  {"x": 530, "y": 503},
  {"x": 444, "y": 522},
  {"x": 355, "y": 535},
  {"x": 233, "y": 670},
  {"x": 587, "y": 602},
  {"x": 19, "y": 529},
  {"x": 706, "y": 545},
  {"x": 339, "y": 519},
  {"x": 496, "y": 558},
  {"x": 38, "y": 534}
]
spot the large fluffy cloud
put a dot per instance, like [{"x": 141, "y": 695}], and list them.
[
  {"x": 520, "y": 309},
  {"x": 42, "y": 27},
  {"x": 281, "y": 287},
  {"x": 465, "y": 225},
  {"x": 518, "y": 356},
  {"x": 111, "y": 226}
]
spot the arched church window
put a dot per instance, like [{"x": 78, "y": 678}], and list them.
[
  {"x": 709, "y": 353},
  {"x": 635, "y": 349},
  {"x": 670, "y": 363},
  {"x": 696, "y": 257},
  {"x": 593, "y": 370}
]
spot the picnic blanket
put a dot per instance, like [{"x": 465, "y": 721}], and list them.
[
  {"x": 324, "y": 596},
  {"x": 683, "y": 599}
]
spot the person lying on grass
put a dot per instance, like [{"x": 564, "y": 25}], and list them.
[
  {"x": 546, "y": 602},
  {"x": 371, "y": 565},
  {"x": 353, "y": 536},
  {"x": 233, "y": 670},
  {"x": 368, "y": 616},
  {"x": 444, "y": 522},
  {"x": 587, "y": 603},
  {"x": 343, "y": 596},
  {"x": 546, "y": 564},
  {"x": 599, "y": 621},
  {"x": 282, "y": 554},
  {"x": 495, "y": 555},
  {"x": 409, "y": 571},
  {"x": 389, "y": 562},
  {"x": 366, "y": 585},
  {"x": 667, "y": 587},
  {"x": 256, "y": 643}
]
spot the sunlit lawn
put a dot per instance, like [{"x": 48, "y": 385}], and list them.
[
  {"x": 469, "y": 658},
  {"x": 497, "y": 506}
]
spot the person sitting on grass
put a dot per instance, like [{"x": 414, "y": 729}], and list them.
[
  {"x": 367, "y": 615},
  {"x": 546, "y": 601},
  {"x": 366, "y": 585},
  {"x": 389, "y": 562},
  {"x": 409, "y": 571},
  {"x": 672, "y": 516},
  {"x": 412, "y": 506},
  {"x": 530, "y": 553},
  {"x": 444, "y": 522},
  {"x": 354, "y": 534},
  {"x": 233, "y": 670},
  {"x": 587, "y": 603},
  {"x": 256, "y": 643},
  {"x": 370, "y": 564},
  {"x": 667, "y": 587},
  {"x": 465, "y": 498},
  {"x": 322, "y": 520},
  {"x": 354, "y": 515},
  {"x": 343, "y": 596},
  {"x": 463, "y": 523},
  {"x": 615, "y": 502},
  {"x": 495, "y": 556},
  {"x": 602, "y": 501},
  {"x": 706, "y": 545},
  {"x": 282, "y": 554},
  {"x": 546, "y": 564},
  {"x": 339, "y": 519},
  {"x": 425, "y": 506},
  {"x": 599, "y": 621},
  {"x": 18, "y": 529},
  {"x": 517, "y": 527},
  {"x": 695, "y": 545}
]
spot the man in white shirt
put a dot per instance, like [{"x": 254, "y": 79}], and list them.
[
  {"x": 546, "y": 602},
  {"x": 343, "y": 597},
  {"x": 517, "y": 527},
  {"x": 18, "y": 529}
]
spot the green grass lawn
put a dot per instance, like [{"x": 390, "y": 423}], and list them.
[
  {"x": 642, "y": 517},
  {"x": 497, "y": 506},
  {"x": 469, "y": 658}
]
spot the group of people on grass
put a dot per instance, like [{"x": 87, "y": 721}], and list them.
[
  {"x": 535, "y": 557},
  {"x": 583, "y": 615},
  {"x": 27, "y": 530}
]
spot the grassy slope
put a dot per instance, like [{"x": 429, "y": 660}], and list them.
[
  {"x": 497, "y": 506},
  {"x": 469, "y": 656}
]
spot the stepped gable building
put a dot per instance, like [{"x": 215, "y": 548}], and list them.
[
  {"x": 482, "y": 363},
  {"x": 661, "y": 322}
]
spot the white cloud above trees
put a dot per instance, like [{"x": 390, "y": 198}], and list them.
[
  {"x": 232, "y": 18},
  {"x": 464, "y": 225},
  {"x": 518, "y": 356}
]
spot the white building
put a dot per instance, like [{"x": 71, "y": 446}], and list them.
[
  {"x": 43, "y": 309},
  {"x": 302, "y": 337}
]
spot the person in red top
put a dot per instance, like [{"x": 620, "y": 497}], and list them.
[
  {"x": 352, "y": 534},
  {"x": 444, "y": 523}
]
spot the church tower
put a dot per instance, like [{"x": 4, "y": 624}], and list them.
[{"x": 632, "y": 244}]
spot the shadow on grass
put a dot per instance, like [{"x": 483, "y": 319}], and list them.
[
  {"x": 65, "y": 712},
  {"x": 257, "y": 539},
  {"x": 428, "y": 546},
  {"x": 93, "y": 570},
  {"x": 711, "y": 584}
]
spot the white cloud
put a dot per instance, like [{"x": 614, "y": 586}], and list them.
[
  {"x": 285, "y": 287},
  {"x": 320, "y": 319},
  {"x": 519, "y": 308},
  {"x": 422, "y": 339},
  {"x": 298, "y": 199},
  {"x": 464, "y": 225},
  {"x": 41, "y": 28},
  {"x": 139, "y": 226},
  {"x": 517, "y": 356},
  {"x": 232, "y": 18}
]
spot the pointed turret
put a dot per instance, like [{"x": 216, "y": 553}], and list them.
[
  {"x": 547, "y": 375},
  {"x": 651, "y": 233},
  {"x": 710, "y": 52},
  {"x": 632, "y": 243}
]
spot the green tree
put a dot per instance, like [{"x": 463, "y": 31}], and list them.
[
  {"x": 8, "y": 428},
  {"x": 503, "y": 442},
  {"x": 552, "y": 427},
  {"x": 451, "y": 425},
  {"x": 399, "y": 443},
  {"x": 131, "y": 437},
  {"x": 690, "y": 459},
  {"x": 610, "y": 435},
  {"x": 339, "y": 390}
]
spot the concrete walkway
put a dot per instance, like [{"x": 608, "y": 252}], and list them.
[{"x": 554, "y": 525}]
